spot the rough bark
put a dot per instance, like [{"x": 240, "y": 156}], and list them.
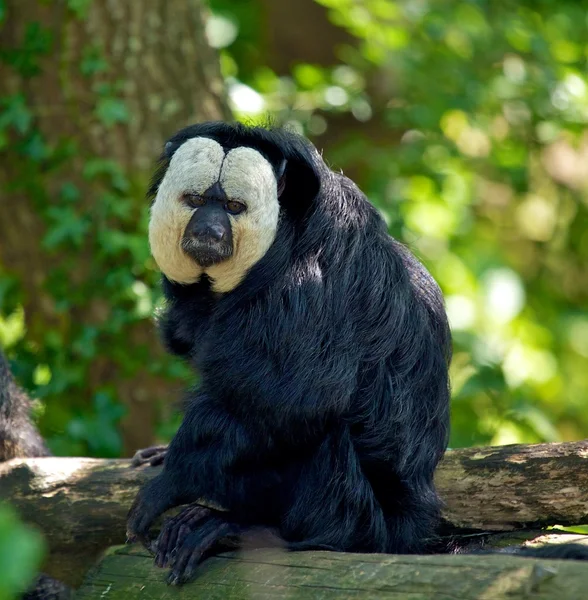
[
  {"x": 81, "y": 504},
  {"x": 510, "y": 487},
  {"x": 129, "y": 573},
  {"x": 158, "y": 62}
]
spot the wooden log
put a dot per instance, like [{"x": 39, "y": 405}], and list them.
[
  {"x": 128, "y": 573},
  {"x": 516, "y": 486},
  {"x": 80, "y": 504}
]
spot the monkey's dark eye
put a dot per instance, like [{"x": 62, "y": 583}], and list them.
[
  {"x": 193, "y": 200},
  {"x": 234, "y": 207}
]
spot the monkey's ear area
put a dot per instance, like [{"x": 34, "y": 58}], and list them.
[
  {"x": 281, "y": 175},
  {"x": 299, "y": 178}
]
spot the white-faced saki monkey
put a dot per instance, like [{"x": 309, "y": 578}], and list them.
[{"x": 323, "y": 350}]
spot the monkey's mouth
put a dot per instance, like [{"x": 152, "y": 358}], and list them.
[{"x": 206, "y": 253}]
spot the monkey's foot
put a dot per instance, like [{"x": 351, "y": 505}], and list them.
[
  {"x": 174, "y": 531},
  {"x": 154, "y": 455},
  {"x": 187, "y": 539}
]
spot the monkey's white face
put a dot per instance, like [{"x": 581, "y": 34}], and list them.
[{"x": 245, "y": 176}]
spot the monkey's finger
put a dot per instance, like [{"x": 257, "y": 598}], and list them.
[
  {"x": 175, "y": 530},
  {"x": 195, "y": 514},
  {"x": 146, "y": 455},
  {"x": 162, "y": 543},
  {"x": 158, "y": 459},
  {"x": 183, "y": 529},
  {"x": 175, "y": 575},
  {"x": 190, "y": 549},
  {"x": 167, "y": 547},
  {"x": 195, "y": 558},
  {"x": 195, "y": 546}
]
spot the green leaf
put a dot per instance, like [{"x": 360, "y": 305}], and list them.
[
  {"x": 79, "y": 7},
  {"x": 97, "y": 167},
  {"x": 93, "y": 61},
  {"x": 69, "y": 192},
  {"x": 21, "y": 551},
  {"x": 15, "y": 113},
  {"x": 111, "y": 111},
  {"x": 67, "y": 227},
  {"x": 37, "y": 42}
]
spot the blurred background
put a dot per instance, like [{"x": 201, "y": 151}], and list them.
[{"x": 463, "y": 121}]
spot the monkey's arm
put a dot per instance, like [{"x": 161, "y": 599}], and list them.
[
  {"x": 207, "y": 443},
  {"x": 186, "y": 315}
]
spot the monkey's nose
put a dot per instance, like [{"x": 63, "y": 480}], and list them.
[{"x": 214, "y": 232}]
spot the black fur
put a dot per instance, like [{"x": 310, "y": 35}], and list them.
[
  {"x": 323, "y": 408},
  {"x": 19, "y": 436}
]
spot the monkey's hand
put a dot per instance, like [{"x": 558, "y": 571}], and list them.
[
  {"x": 153, "y": 499},
  {"x": 187, "y": 539},
  {"x": 154, "y": 455}
]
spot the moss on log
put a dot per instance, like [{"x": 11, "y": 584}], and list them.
[{"x": 128, "y": 573}]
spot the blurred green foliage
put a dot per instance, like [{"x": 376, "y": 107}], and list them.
[
  {"x": 479, "y": 166},
  {"x": 21, "y": 551},
  {"x": 468, "y": 134}
]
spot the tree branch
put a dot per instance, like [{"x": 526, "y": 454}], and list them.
[{"x": 80, "y": 504}]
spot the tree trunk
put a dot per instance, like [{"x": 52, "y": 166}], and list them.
[
  {"x": 128, "y": 573},
  {"x": 81, "y": 504},
  {"x": 85, "y": 83}
]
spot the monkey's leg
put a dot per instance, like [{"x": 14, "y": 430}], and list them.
[
  {"x": 333, "y": 505},
  {"x": 154, "y": 455}
]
